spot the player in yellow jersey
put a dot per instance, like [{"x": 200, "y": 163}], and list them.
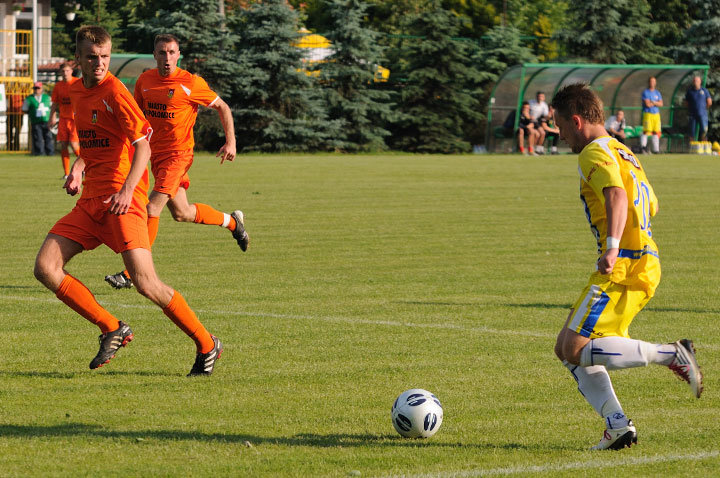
[{"x": 619, "y": 202}]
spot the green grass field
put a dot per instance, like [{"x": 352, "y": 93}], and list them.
[{"x": 366, "y": 276}]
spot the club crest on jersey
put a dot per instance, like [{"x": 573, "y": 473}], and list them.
[
  {"x": 628, "y": 157},
  {"x": 94, "y": 116},
  {"x": 171, "y": 92}
]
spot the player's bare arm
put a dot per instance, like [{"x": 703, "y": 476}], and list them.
[
  {"x": 616, "y": 203},
  {"x": 53, "y": 114},
  {"x": 121, "y": 200},
  {"x": 228, "y": 151},
  {"x": 73, "y": 183}
]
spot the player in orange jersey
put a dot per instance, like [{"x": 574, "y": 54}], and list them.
[
  {"x": 114, "y": 152},
  {"x": 169, "y": 97},
  {"x": 67, "y": 134}
]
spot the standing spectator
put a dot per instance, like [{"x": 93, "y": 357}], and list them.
[
  {"x": 615, "y": 125},
  {"x": 526, "y": 127},
  {"x": 651, "y": 103},
  {"x": 66, "y": 132},
  {"x": 547, "y": 124},
  {"x": 538, "y": 110},
  {"x": 14, "y": 120},
  {"x": 37, "y": 106},
  {"x": 698, "y": 101}
]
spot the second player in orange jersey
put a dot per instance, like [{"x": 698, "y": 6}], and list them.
[
  {"x": 169, "y": 96},
  {"x": 61, "y": 106}
]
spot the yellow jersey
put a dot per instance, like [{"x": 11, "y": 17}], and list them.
[{"x": 606, "y": 162}]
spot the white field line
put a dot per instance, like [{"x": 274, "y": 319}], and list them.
[
  {"x": 578, "y": 465},
  {"x": 346, "y": 320},
  {"x": 339, "y": 319}
]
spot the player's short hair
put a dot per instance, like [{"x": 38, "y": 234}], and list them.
[
  {"x": 166, "y": 38},
  {"x": 66, "y": 64},
  {"x": 92, "y": 33},
  {"x": 539, "y": 93},
  {"x": 579, "y": 99}
]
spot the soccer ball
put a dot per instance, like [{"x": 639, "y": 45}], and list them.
[{"x": 417, "y": 413}]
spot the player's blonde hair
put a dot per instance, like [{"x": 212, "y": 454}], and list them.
[
  {"x": 92, "y": 33},
  {"x": 579, "y": 99}
]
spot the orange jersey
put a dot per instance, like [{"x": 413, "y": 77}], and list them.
[
  {"x": 108, "y": 123},
  {"x": 171, "y": 104},
  {"x": 61, "y": 97}
]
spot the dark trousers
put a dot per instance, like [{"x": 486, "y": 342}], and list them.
[
  {"x": 43, "y": 141},
  {"x": 13, "y": 125}
]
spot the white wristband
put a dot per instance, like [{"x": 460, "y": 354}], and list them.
[{"x": 613, "y": 242}]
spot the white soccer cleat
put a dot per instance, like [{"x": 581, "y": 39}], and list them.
[
  {"x": 686, "y": 367},
  {"x": 618, "y": 438}
]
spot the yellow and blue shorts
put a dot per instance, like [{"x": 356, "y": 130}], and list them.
[
  {"x": 605, "y": 309},
  {"x": 651, "y": 123}
]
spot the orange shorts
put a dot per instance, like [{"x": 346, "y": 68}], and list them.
[
  {"x": 90, "y": 224},
  {"x": 170, "y": 171},
  {"x": 67, "y": 131}
]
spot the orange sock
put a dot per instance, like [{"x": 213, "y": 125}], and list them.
[
  {"x": 183, "y": 316},
  {"x": 65, "y": 157},
  {"x": 153, "y": 224},
  {"x": 76, "y": 296},
  {"x": 207, "y": 215}
]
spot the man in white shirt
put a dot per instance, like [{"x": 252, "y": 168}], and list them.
[
  {"x": 615, "y": 125},
  {"x": 539, "y": 110}
]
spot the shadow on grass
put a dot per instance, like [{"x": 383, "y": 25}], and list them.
[
  {"x": 430, "y": 302},
  {"x": 332, "y": 440},
  {"x": 538, "y": 305},
  {"x": 651, "y": 308},
  {"x": 73, "y": 375},
  {"x": 3, "y": 286}
]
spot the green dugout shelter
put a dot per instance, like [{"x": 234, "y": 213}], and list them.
[{"x": 619, "y": 87}]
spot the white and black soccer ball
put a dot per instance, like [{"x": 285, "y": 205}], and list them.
[{"x": 417, "y": 413}]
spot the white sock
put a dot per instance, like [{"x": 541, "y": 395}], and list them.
[
  {"x": 643, "y": 141},
  {"x": 656, "y": 143},
  {"x": 594, "y": 384},
  {"x": 619, "y": 352},
  {"x": 554, "y": 149},
  {"x": 226, "y": 220},
  {"x": 540, "y": 149}
]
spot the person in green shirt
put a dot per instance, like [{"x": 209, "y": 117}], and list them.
[{"x": 37, "y": 107}]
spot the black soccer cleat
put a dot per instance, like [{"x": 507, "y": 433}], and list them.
[
  {"x": 119, "y": 281},
  {"x": 240, "y": 234},
  {"x": 205, "y": 363},
  {"x": 110, "y": 343}
]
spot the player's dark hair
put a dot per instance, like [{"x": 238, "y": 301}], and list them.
[
  {"x": 66, "y": 64},
  {"x": 92, "y": 33},
  {"x": 166, "y": 38},
  {"x": 579, "y": 99}
]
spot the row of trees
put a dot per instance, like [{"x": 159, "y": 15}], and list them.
[{"x": 444, "y": 57}]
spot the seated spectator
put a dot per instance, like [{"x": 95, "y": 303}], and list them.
[
  {"x": 526, "y": 127},
  {"x": 615, "y": 126},
  {"x": 538, "y": 110},
  {"x": 547, "y": 123}
]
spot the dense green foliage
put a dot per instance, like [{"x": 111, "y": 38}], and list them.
[
  {"x": 367, "y": 275},
  {"x": 620, "y": 31},
  {"x": 702, "y": 46},
  {"x": 256, "y": 71},
  {"x": 348, "y": 76},
  {"x": 438, "y": 98},
  {"x": 279, "y": 107}
]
